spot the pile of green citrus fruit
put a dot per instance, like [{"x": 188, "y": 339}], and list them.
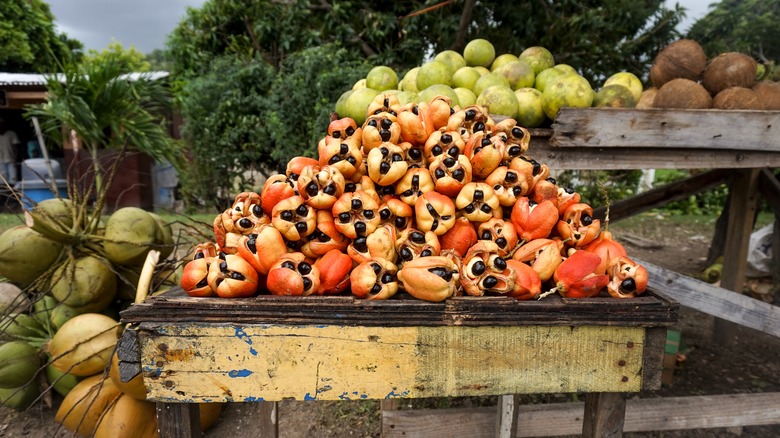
[{"x": 529, "y": 87}]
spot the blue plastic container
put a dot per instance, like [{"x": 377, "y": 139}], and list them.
[{"x": 34, "y": 192}]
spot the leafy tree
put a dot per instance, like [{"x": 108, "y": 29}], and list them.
[
  {"x": 159, "y": 60},
  {"x": 28, "y": 40},
  {"x": 747, "y": 26},
  {"x": 130, "y": 59}
]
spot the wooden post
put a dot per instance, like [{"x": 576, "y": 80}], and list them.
[
  {"x": 506, "y": 420},
  {"x": 269, "y": 426},
  {"x": 605, "y": 413},
  {"x": 178, "y": 420},
  {"x": 742, "y": 210}
]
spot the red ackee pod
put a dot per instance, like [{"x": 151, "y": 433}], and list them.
[
  {"x": 606, "y": 247},
  {"x": 275, "y": 189},
  {"x": 263, "y": 248},
  {"x": 575, "y": 278},
  {"x": 460, "y": 237},
  {"x": 194, "y": 277},
  {"x": 293, "y": 275},
  {"x": 230, "y": 276},
  {"x": 416, "y": 123},
  {"x": 543, "y": 255},
  {"x": 295, "y": 167},
  {"x": 532, "y": 220},
  {"x": 335, "y": 268},
  {"x": 499, "y": 231},
  {"x": 527, "y": 285},
  {"x": 577, "y": 226},
  {"x": 441, "y": 110}
]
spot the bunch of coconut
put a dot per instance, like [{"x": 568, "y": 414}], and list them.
[
  {"x": 67, "y": 274},
  {"x": 682, "y": 77}
]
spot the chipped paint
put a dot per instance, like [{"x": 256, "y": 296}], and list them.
[{"x": 239, "y": 373}]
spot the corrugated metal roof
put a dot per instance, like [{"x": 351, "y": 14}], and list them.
[{"x": 27, "y": 79}]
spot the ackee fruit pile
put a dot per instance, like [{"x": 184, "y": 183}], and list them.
[{"x": 427, "y": 198}]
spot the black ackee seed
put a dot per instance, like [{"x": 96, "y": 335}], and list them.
[
  {"x": 453, "y": 151},
  {"x": 486, "y": 208},
  {"x": 351, "y": 160},
  {"x": 336, "y": 134},
  {"x": 376, "y": 289},
  {"x": 478, "y": 195},
  {"x": 387, "y": 278},
  {"x": 350, "y": 187},
  {"x": 510, "y": 177},
  {"x": 476, "y": 151},
  {"x": 517, "y": 191},
  {"x": 470, "y": 114},
  {"x": 397, "y": 157},
  {"x": 537, "y": 167},
  {"x": 501, "y": 242},
  {"x": 372, "y": 122},
  {"x": 499, "y": 263},
  {"x": 384, "y": 134},
  {"x": 384, "y": 168},
  {"x": 426, "y": 253},
  {"x": 446, "y": 217},
  {"x": 222, "y": 255},
  {"x": 490, "y": 282},
  {"x": 379, "y": 111},
  {"x": 586, "y": 219},
  {"x": 531, "y": 203},
  {"x": 436, "y": 150},
  {"x": 223, "y": 267},
  {"x": 416, "y": 180},
  {"x": 384, "y": 151},
  {"x": 385, "y": 214},
  {"x": 312, "y": 189},
  {"x": 293, "y": 176},
  {"x": 517, "y": 133},
  {"x": 301, "y": 227},
  {"x": 334, "y": 159},
  {"x": 344, "y": 148},
  {"x": 434, "y": 224},
  {"x": 415, "y": 154},
  {"x": 368, "y": 214},
  {"x": 569, "y": 190},
  {"x": 479, "y": 126},
  {"x": 628, "y": 284},
  {"x": 237, "y": 276},
  {"x": 387, "y": 190},
  {"x": 400, "y": 222},
  {"x": 251, "y": 243},
  {"x": 322, "y": 237},
  {"x": 439, "y": 173},
  {"x": 289, "y": 265},
  {"x": 257, "y": 210},
  {"x": 350, "y": 131},
  {"x": 244, "y": 223},
  {"x": 376, "y": 267},
  {"x": 407, "y": 193},
  {"x": 387, "y": 123},
  {"x": 458, "y": 174},
  {"x": 497, "y": 187},
  {"x": 360, "y": 228},
  {"x": 301, "y": 210},
  {"x": 485, "y": 142},
  {"x": 356, "y": 204},
  {"x": 478, "y": 268},
  {"x": 449, "y": 161},
  {"x": 486, "y": 235},
  {"x": 415, "y": 110},
  {"x": 287, "y": 215},
  {"x": 304, "y": 268},
  {"x": 406, "y": 254},
  {"x": 330, "y": 189},
  {"x": 200, "y": 255},
  {"x": 417, "y": 237},
  {"x": 343, "y": 218},
  {"x": 441, "y": 272},
  {"x": 360, "y": 244},
  {"x": 306, "y": 283},
  {"x": 469, "y": 208},
  {"x": 514, "y": 151},
  {"x": 202, "y": 283},
  {"x": 551, "y": 180}
]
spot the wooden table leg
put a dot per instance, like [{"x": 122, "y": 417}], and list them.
[
  {"x": 178, "y": 420},
  {"x": 506, "y": 420},
  {"x": 605, "y": 413}
]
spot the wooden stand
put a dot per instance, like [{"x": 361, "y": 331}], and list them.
[{"x": 267, "y": 349}]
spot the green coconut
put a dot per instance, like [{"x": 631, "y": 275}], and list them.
[
  {"x": 86, "y": 283},
  {"x": 19, "y": 364},
  {"x": 62, "y": 314},
  {"x": 19, "y": 398},
  {"x": 21, "y": 326},
  {"x": 26, "y": 254},
  {"x": 60, "y": 381},
  {"x": 53, "y": 218},
  {"x": 130, "y": 234},
  {"x": 163, "y": 239}
]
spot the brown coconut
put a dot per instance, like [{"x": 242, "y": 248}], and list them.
[
  {"x": 683, "y": 58},
  {"x": 647, "y": 99},
  {"x": 683, "y": 94},
  {"x": 731, "y": 69},
  {"x": 769, "y": 93},
  {"x": 737, "y": 98}
]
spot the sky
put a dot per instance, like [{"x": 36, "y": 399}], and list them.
[{"x": 145, "y": 24}]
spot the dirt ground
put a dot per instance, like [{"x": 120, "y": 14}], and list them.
[{"x": 751, "y": 365}]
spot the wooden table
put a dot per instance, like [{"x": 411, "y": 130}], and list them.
[{"x": 268, "y": 348}]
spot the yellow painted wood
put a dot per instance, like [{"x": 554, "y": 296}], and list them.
[{"x": 201, "y": 362}]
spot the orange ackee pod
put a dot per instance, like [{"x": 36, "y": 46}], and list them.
[
  {"x": 380, "y": 128},
  {"x": 484, "y": 270},
  {"x": 577, "y": 226},
  {"x": 295, "y": 167},
  {"x": 194, "y": 277},
  {"x": 434, "y": 212},
  {"x": 324, "y": 238},
  {"x": 378, "y": 244},
  {"x": 443, "y": 143},
  {"x": 293, "y": 275},
  {"x": 416, "y": 123},
  {"x": 335, "y": 268},
  {"x": 627, "y": 279},
  {"x": 606, "y": 247},
  {"x": 543, "y": 255},
  {"x": 398, "y": 213},
  {"x": 263, "y": 248},
  {"x": 275, "y": 189},
  {"x": 441, "y": 110},
  {"x": 230, "y": 276},
  {"x": 527, "y": 285},
  {"x": 575, "y": 277},
  {"x": 374, "y": 279},
  {"x": 429, "y": 278},
  {"x": 532, "y": 220},
  {"x": 411, "y": 244},
  {"x": 500, "y": 232},
  {"x": 460, "y": 237}
]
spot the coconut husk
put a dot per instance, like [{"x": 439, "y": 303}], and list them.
[
  {"x": 682, "y": 94},
  {"x": 769, "y": 93},
  {"x": 683, "y": 58},
  {"x": 731, "y": 69},
  {"x": 737, "y": 98},
  {"x": 647, "y": 99}
]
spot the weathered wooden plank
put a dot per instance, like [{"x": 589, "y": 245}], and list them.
[
  {"x": 661, "y": 128},
  {"x": 652, "y": 366},
  {"x": 226, "y": 362},
  {"x": 178, "y": 420},
  {"x": 743, "y": 205},
  {"x": 769, "y": 187},
  {"x": 506, "y": 418},
  {"x": 605, "y": 413},
  {"x": 716, "y": 301},
  {"x": 663, "y": 195},
  {"x": 642, "y": 415}
]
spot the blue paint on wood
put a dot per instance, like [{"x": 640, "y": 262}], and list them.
[
  {"x": 239, "y": 373},
  {"x": 393, "y": 394},
  {"x": 308, "y": 397},
  {"x": 253, "y": 399},
  {"x": 241, "y": 334}
]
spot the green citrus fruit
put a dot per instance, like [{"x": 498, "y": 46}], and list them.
[
  {"x": 538, "y": 58},
  {"x": 530, "y": 112},
  {"x": 518, "y": 73},
  {"x": 452, "y": 58},
  {"x": 499, "y": 100},
  {"x": 479, "y": 52},
  {"x": 465, "y": 77},
  {"x": 382, "y": 78},
  {"x": 482, "y": 70},
  {"x": 409, "y": 81},
  {"x": 566, "y": 68},
  {"x": 434, "y": 90},
  {"x": 568, "y": 90},
  {"x": 361, "y": 83},
  {"x": 614, "y": 96},
  {"x": 405, "y": 97},
  {"x": 466, "y": 97},
  {"x": 488, "y": 81},
  {"x": 629, "y": 80},
  {"x": 340, "y": 104},
  {"x": 357, "y": 104},
  {"x": 432, "y": 73},
  {"x": 546, "y": 76},
  {"x": 503, "y": 59}
]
